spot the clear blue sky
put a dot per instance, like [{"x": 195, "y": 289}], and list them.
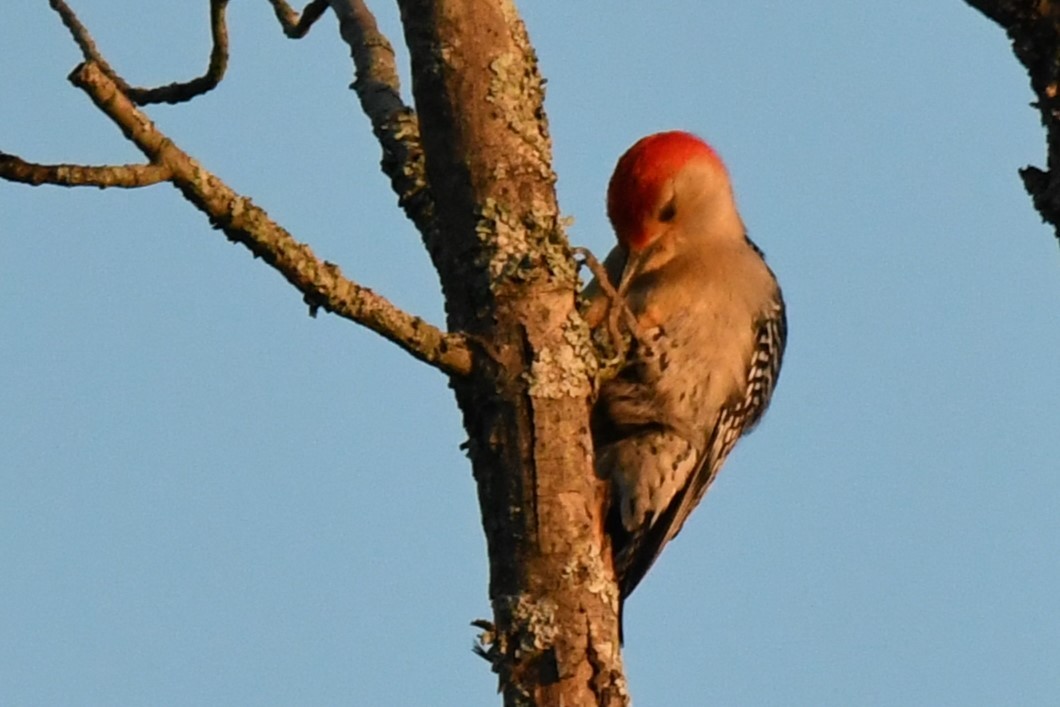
[{"x": 208, "y": 498}]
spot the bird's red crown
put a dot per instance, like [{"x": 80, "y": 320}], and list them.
[{"x": 633, "y": 194}]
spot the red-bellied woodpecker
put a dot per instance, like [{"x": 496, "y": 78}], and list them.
[{"x": 706, "y": 351}]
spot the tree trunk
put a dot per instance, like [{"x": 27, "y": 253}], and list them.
[{"x": 509, "y": 280}]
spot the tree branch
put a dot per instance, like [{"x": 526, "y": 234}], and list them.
[
  {"x": 378, "y": 88},
  {"x": 297, "y": 25},
  {"x": 394, "y": 123},
  {"x": 125, "y": 176},
  {"x": 1034, "y": 28},
  {"x": 321, "y": 282},
  {"x": 177, "y": 92}
]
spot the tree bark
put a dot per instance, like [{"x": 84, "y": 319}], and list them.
[
  {"x": 1034, "y": 28},
  {"x": 509, "y": 280}
]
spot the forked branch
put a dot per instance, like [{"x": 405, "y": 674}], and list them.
[
  {"x": 297, "y": 25},
  {"x": 321, "y": 282}
]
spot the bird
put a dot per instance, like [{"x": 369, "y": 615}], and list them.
[{"x": 708, "y": 328}]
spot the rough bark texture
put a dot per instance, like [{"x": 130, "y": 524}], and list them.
[
  {"x": 1034, "y": 28},
  {"x": 508, "y": 278}
]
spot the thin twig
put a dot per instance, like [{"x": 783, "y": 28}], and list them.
[
  {"x": 321, "y": 282},
  {"x": 297, "y": 25},
  {"x": 125, "y": 176},
  {"x": 177, "y": 92}
]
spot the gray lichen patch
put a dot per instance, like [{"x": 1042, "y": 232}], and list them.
[
  {"x": 556, "y": 253},
  {"x": 404, "y": 150},
  {"x": 558, "y": 373},
  {"x": 587, "y": 566},
  {"x": 566, "y": 370},
  {"x": 515, "y": 244},
  {"x": 539, "y": 618},
  {"x": 517, "y": 91},
  {"x": 504, "y": 241}
]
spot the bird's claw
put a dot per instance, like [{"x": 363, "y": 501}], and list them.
[
  {"x": 616, "y": 308},
  {"x": 486, "y": 645}
]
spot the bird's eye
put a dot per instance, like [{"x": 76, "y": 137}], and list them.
[{"x": 667, "y": 212}]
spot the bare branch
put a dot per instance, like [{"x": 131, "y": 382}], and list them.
[
  {"x": 394, "y": 123},
  {"x": 125, "y": 176},
  {"x": 85, "y": 43},
  {"x": 294, "y": 25},
  {"x": 379, "y": 90},
  {"x": 177, "y": 92},
  {"x": 321, "y": 282}
]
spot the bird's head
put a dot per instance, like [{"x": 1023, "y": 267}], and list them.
[{"x": 670, "y": 183}]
